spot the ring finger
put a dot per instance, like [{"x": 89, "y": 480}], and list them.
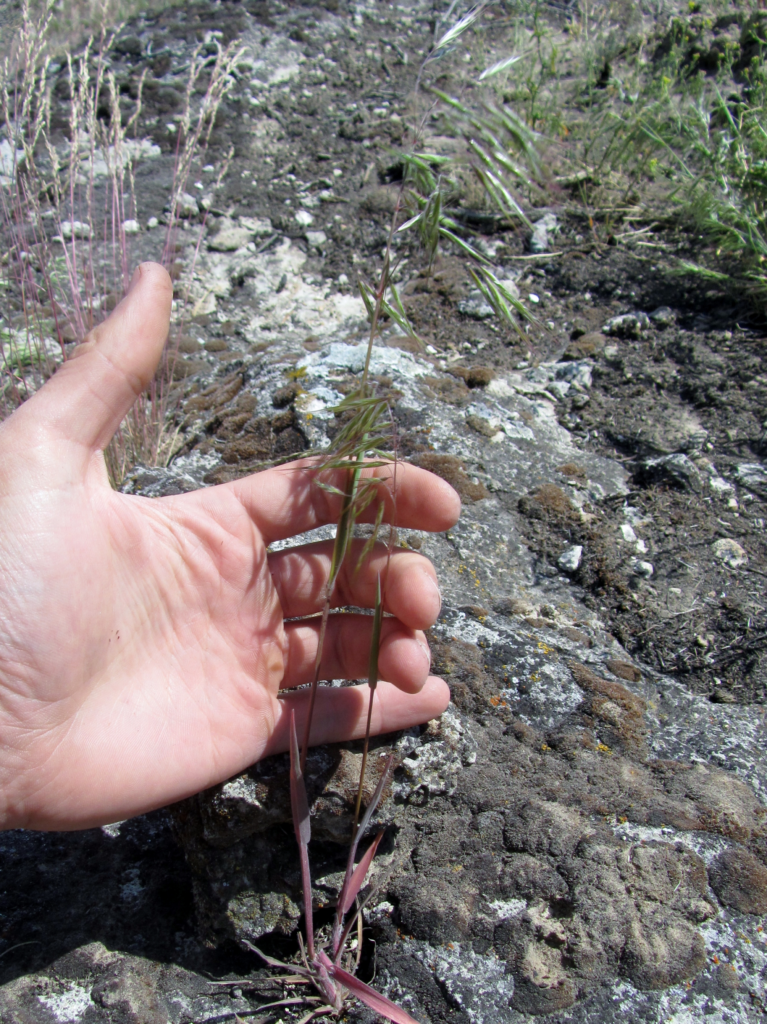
[{"x": 403, "y": 657}]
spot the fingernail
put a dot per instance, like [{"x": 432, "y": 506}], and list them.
[{"x": 135, "y": 279}]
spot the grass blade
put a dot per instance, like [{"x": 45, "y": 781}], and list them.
[
  {"x": 359, "y": 874},
  {"x": 299, "y": 805},
  {"x": 366, "y": 994}
]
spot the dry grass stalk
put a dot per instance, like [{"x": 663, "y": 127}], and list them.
[{"x": 64, "y": 211}]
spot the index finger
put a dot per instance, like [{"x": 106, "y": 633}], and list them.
[{"x": 289, "y": 499}]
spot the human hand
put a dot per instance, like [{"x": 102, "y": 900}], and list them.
[{"x": 143, "y": 642}]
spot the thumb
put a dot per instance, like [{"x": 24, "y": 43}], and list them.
[{"x": 87, "y": 398}]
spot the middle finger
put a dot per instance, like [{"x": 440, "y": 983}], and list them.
[{"x": 409, "y": 582}]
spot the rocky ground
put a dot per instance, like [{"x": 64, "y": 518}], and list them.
[{"x": 584, "y": 834}]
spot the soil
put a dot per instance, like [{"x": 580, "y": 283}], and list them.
[{"x": 598, "y": 827}]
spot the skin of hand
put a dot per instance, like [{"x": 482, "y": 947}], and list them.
[{"x": 143, "y": 642}]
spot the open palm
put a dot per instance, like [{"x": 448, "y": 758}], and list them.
[{"x": 143, "y": 642}]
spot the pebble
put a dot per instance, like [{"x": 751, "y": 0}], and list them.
[
  {"x": 316, "y": 239},
  {"x": 131, "y": 227},
  {"x": 644, "y": 569},
  {"x": 663, "y": 316},
  {"x": 729, "y": 552},
  {"x": 542, "y": 230},
  {"x": 570, "y": 559},
  {"x": 676, "y": 469},
  {"x": 576, "y": 373},
  {"x": 75, "y": 229},
  {"x": 629, "y": 325},
  {"x": 304, "y": 218},
  {"x": 187, "y": 206},
  {"x": 230, "y": 239}
]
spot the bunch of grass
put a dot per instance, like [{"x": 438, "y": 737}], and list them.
[
  {"x": 365, "y": 442},
  {"x": 68, "y": 255}
]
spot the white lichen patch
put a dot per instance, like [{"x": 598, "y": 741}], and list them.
[
  {"x": 502, "y": 910},
  {"x": 341, "y": 356},
  {"x": 705, "y": 844},
  {"x": 69, "y": 1004},
  {"x": 479, "y": 985}
]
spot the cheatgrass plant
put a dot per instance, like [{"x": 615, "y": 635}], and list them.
[
  {"x": 500, "y": 152},
  {"x": 68, "y": 212}
]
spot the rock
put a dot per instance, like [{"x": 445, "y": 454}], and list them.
[
  {"x": 577, "y": 374},
  {"x": 476, "y": 306},
  {"x": 259, "y": 227},
  {"x": 740, "y": 881},
  {"x": 131, "y": 227},
  {"x": 303, "y": 218},
  {"x": 753, "y": 476},
  {"x": 75, "y": 229},
  {"x": 729, "y": 552},
  {"x": 230, "y": 239},
  {"x": 678, "y": 470},
  {"x": 558, "y": 389},
  {"x": 628, "y": 325},
  {"x": 644, "y": 569},
  {"x": 187, "y": 207},
  {"x": 570, "y": 560},
  {"x": 153, "y": 222},
  {"x": 540, "y": 239},
  {"x": 663, "y": 316},
  {"x": 316, "y": 239}
]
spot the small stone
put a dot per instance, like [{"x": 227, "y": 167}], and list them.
[
  {"x": 627, "y": 533},
  {"x": 558, "y": 389},
  {"x": 476, "y": 307},
  {"x": 230, "y": 239},
  {"x": 75, "y": 229},
  {"x": 259, "y": 227},
  {"x": 721, "y": 696},
  {"x": 751, "y": 475},
  {"x": 532, "y": 297},
  {"x": 570, "y": 559},
  {"x": 677, "y": 470},
  {"x": 316, "y": 239},
  {"x": 629, "y": 325},
  {"x": 575, "y": 373},
  {"x": 131, "y": 227},
  {"x": 152, "y": 222},
  {"x": 663, "y": 316},
  {"x": 729, "y": 552},
  {"x": 304, "y": 218},
  {"x": 187, "y": 206},
  {"x": 644, "y": 569},
  {"x": 540, "y": 239}
]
